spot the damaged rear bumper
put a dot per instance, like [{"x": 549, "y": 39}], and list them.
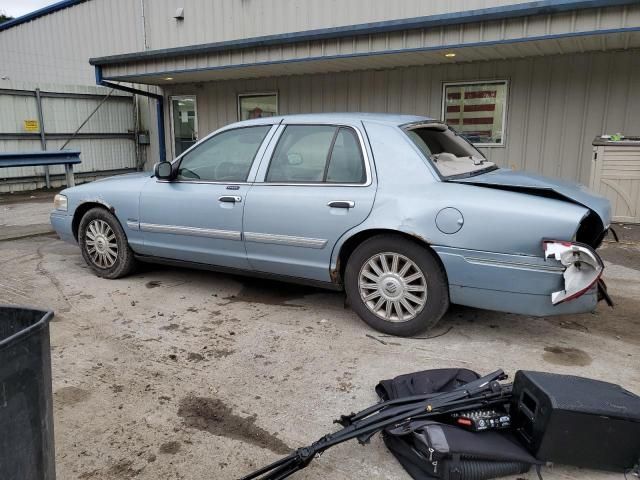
[
  {"x": 582, "y": 268},
  {"x": 521, "y": 303},
  {"x": 520, "y": 284}
]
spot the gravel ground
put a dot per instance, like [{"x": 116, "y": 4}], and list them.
[{"x": 180, "y": 374}]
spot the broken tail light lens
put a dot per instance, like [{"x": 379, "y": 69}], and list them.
[{"x": 583, "y": 268}]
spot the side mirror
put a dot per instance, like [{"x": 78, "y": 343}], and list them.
[{"x": 163, "y": 171}]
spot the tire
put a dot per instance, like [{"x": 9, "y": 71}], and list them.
[
  {"x": 100, "y": 231},
  {"x": 423, "y": 281}
]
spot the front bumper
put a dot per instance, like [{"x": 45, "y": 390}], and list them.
[{"x": 62, "y": 224}]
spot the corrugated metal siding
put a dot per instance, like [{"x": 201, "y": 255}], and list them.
[
  {"x": 54, "y": 51},
  {"x": 208, "y": 21},
  {"x": 556, "y": 105},
  {"x": 356, "y": 52},
  {"x": 64, "y": 116},
  {"x": 14, "y": 110},
  {"x": 56, "y": 48}
]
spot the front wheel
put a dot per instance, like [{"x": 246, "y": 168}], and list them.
[
  {"x": 104, "y": 244},
  {"x": 396, "y": 285}
]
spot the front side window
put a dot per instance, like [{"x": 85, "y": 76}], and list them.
[
  {"x": 226, "y": 157},
  {"x": 258, "y": 105},
  {"x": 476, "y": 110},
  {"x": 317, "y": 154}
]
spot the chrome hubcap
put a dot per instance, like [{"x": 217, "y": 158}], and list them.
[
  {"x": 393, "y": 287},
  {"x": 101, "y": 244}
]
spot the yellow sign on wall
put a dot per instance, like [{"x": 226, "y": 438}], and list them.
[{"x": 31, "y": 126}]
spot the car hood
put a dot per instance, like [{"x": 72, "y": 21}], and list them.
[
  {"x": 98, "y": 188},
  {"x": 534, "y": 184},
  {"x": 124, "y": 176}
]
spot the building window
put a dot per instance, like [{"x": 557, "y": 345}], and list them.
[
  {"x": 476, "y": 110},
  {"x": 257, "y": 105}
]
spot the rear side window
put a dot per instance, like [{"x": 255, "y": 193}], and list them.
[
  {"x": 451, "y": 154},
  {"x": 346, "y": 164},
  {"x": 317, "y": 154},
  {"x": 226, "y": 157}
]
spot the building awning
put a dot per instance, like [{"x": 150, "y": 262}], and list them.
[{"x": 516, "y": 31}]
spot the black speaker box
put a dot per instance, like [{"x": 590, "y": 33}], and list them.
[{"x": 576, "y": 421}]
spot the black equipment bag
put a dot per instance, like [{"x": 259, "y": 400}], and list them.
[
  {"x": 428, "y": 449},
  {"x": 427, "y": 381}
]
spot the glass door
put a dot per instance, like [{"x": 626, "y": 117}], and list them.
[{"x": 184, "y": 123}]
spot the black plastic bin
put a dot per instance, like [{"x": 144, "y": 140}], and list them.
[{"x": 26, "y": 414}]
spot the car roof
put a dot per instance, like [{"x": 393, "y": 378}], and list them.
[{"x": 347, "y": 117}]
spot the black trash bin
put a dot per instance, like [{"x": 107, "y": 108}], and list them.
[{"x": 26, "y": 413}]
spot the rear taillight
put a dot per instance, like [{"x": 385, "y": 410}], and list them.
[{"x": 583, "y": 268}]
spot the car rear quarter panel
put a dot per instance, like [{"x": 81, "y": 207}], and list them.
[
  {"x": 410, "y": 195},
  {"x": 499, "y": 246}
]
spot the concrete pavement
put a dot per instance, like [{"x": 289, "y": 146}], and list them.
[
  {"x": 25, "y": 214},
  {"x": 180, "y": 374}
]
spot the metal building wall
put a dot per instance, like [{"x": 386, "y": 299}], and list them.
[
  {"x": 594, "y": 29},
  {"x": 556, "y": 105},
  {"x": 208, "y": 21},
  {"x": 106, "y": 141},
  {"x": 56, "y": 48}
]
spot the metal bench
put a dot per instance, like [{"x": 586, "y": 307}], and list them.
[{"x": 68, "y": 158}]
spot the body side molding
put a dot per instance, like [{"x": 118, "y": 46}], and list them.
[
  {"x": 285, "y": 240},
  {"x": 195, "y": 231}
]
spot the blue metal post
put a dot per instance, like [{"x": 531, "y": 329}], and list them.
[{"x": 162, "y": 148}]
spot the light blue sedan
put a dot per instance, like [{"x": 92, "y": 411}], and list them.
[{"x": 399, "y": 211}]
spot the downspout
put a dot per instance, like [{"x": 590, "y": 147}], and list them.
[{"x": 159, "y": 107}]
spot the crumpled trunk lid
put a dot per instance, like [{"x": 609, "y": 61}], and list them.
[{"x": 534, "y": 184}]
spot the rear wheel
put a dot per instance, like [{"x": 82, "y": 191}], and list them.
[
  {"x": 104, "y": 244},
  {"x": 396, "y": 285}
]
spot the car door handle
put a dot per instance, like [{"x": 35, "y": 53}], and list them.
[
  {"x": 230, "y": 199},
  {"x": 341, "y": 204}
]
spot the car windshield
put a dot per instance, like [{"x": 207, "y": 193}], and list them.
[{"x": 452, "y": 155}]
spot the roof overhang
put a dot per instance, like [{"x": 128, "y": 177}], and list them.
[{"x": 515, "y": 31}]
